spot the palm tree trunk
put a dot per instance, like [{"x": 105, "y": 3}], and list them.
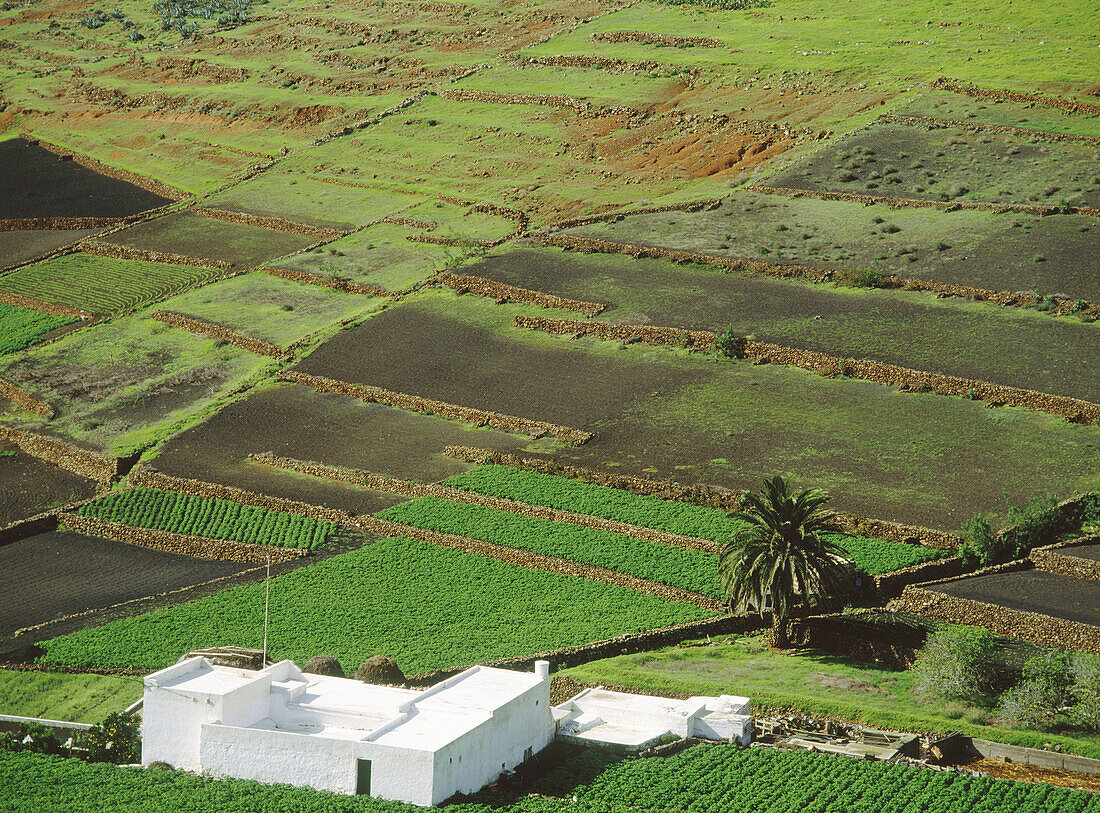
[{"x": 777, "y": 635}]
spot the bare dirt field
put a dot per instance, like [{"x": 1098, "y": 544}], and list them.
[
  {"x": 295, "y": 421},
  {"x": 37, "y": 183},
  {"x": 193, "y": 236},
  {"x": 20, "y": 246},
  {"x": 51, "y": 575},
  {"x": 1083, "y": 552},
  {"x": 1034, "y": 591},
  {"x": 1006, "y": 346},
  {"x": 31, "y": 486}
]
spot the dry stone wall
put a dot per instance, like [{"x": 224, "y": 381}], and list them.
[
  {"x": 189, "y": 68},
  {"x": 1065, "y": 105},
  {"x": 604, "y": 63},
  {"x": 120, "y": 252},
  {"x": 148, "y": 184},
  {"x": 26, "y": 400},
  {"x": 616, "y": 216},
  {"x": 92, "y": 465},
  {"x": 270, "y": 223},
  {"x": 193, "y": 325},
  {"x": 414, "y": 403},
  {"x": 991, "y": 128},
  {"x": 536, "y": 561},
  {"x": 408, "y": 488},
  {"x": 327, "y": 282},
  {"x": 502, "y": 292},
  {"x": 1059, "y": 558},
  {"x": 62, "y": 223},
  {"x": 198, "y": 546},
  {"x": 39, "y": 305},
  {"x": 657, "y": 39}
]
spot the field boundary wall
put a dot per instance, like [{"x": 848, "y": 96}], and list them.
[
  {"x": 537, "y": 561},
  {"x": 269, "y": 223},
  {"x": 1033, "y": 756},
  {"x": 1059, "y": 558},
  {"x": 604, "y": 63},
  {"x": 32, "y": 526},
  {"x": 906, "y": 379},
  {"x": 28, "y": 401},
  {"x": 92, "y": 465},
  {"x": 700, "y": 494},
  {"x": 39, "y": 305},
  {"x": 202, "y": 547},
  {"x": 194, "y": 325},
  {"x": 617, "y": 215},
  {"x": 306, "y": 278},
  {"x": 414, "y": 403},
  {"x": 144, "y": 476},
  {"x": 966, "y": 89},
  {"x": 502, "y": 292},
  {"x": 63, "y": 223},
  {"x": 990, "y": 128},
  {"x": 657, "y": 39},
  {"x": 591, "y": 245},
  {"x": 409, "y": 488},
  {"x": 120, "y": 252}
]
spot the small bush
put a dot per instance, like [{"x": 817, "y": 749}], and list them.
[
  {"x": 955, "y": 662},
  {"x": 979, "y": 543},
  {"x": 117, "y": 739},
  {"x": 869, "y": 278},
  {"x": 730, "y": 344},
  {"x": 32, "y": 737}
]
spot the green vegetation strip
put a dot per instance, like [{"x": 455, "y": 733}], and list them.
[
  {"x": 60, "y": 696},
  {"x": 714, "y": 778},
  {"x": 208, "y": 518},
  {"x": 103, "y": 284},
  {"x": 426, "y": 606},
  {"x": 872, "y": 556},
  {"x": 22, "y": 327},
  {"x": 666, "y": 564}
]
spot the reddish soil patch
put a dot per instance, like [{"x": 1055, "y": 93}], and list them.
[
  {"x": 1033, "y": 773},
  {"x": 37, "y": 183},
  {"x": 31, "y": 486},
  {"x": 56, "y": 574},
  {"x": 193, "y": 236},
  {"x": 294, "y": 421},
  {"x": 19, "y": 246},
  {"x": 702, "y": 155},
  {"x": 1033, "y": 591}
]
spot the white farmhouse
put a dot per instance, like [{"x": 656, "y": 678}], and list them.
[
  {"x": 636, "y": 721},
  {"x": 279, "y": 724}
]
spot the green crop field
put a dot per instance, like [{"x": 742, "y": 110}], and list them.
[
  {"x": 873, "y": 556},
  {"x": 21, "y": 327},
  {"x": 425, "y": 606},
  {"x": 715, "y": 778},
  {"x": 103, "y": 284},
  {"x": 60, "y": 696},
  {"x": 213, "y": 519}
]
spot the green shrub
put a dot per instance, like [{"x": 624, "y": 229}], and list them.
[
  {"x": 869, "y": 278},
  {"x": 979, "y": 545},
  {"x": 955, "y": 662},
  {"x": 32, "y": 737},
  {"x": 730, "y": 344},
  {"x": 117, "y": 739}
]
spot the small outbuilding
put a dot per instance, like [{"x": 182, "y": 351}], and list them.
[
  {"x": 633, "y": 722},
  {"x": 278, "y": 724}
]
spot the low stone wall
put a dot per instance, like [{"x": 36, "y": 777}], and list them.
[
  {"x": 458, "y": 242},
  {"x": 148, "y": 184},
  {"x": 414, "y": 403},
  {"x": 536, "y": 561},
  {"x": 889, "y": 643},
  {"x": 570, "y": 656},
  {"x": 616, "y": 216},
  {"x": 21, "y": 529},
  {"x": 146, "y": 477},
  {"x": 990, "y": 128},
  {"x": 1005, "y": 298},
  {"x": 327, "y": 282},
  {"x": 92, "y": 465},
  {"x": 1065, "y": 105},
  {"x": 491, "y": 97},
  {"x": 906, "y": 379},
  {"x": 603, "y": 63},
  {"x": 502, "y": 292},
  {"x": 701, "y": 494},
  {"x": 1059, "y": 558},
  {"x": 201, "y": 547},
  {"x": 408, "y": 488},
  {"x": 26, "y": 400},
  {"x": 120, "y": 252},
  {"x": 193, "y": 325},
  {"x": 46, "y": 307},
  {"x": 1033, "y": 756},
  {"x": 423, "y": 225},
  {"x": 919, "y": 203},
  {"x": 657, "y": 39},
  {"x": 890, "y": 585},
  {"x": 270, "y": 223},
  {"x": 188, "y": 68},
  {"x": 62, "y": 729},
  {"x": 61, "y": 223}
]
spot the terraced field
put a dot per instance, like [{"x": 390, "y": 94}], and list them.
[{"x": 21, "y": 327}]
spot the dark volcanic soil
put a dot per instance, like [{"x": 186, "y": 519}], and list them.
[
  {"x": 30, "y": 486},
  {"x": 1034, "y": 591},
  {"x": 298, "y": 422},
  {"x": 1091, "y": 552},
  {"x": 37, "y": 183},
  {"x": 55, "y": 574},
  {"x": 19, "y": 246}
]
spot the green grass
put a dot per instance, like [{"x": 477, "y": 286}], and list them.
[
  {"x": 666, "y": 564},
  {"x": 714, "y": 778},
  {"x": 209, "y": 518},
  {"x": 872, "y": 556},
  {"x": 59, "y": 696},
  {"x": 103, "y": 284},
  {"x": 812, "y": 682},
  {"x": 425, "y": 606},
  {"x": 21, "y": 327}
]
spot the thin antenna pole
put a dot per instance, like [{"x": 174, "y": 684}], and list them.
[{"x": 267, "y": 602}]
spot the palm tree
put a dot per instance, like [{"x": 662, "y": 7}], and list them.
[{"x": 779, "y": 557}]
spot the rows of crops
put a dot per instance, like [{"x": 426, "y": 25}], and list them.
[
  {"x": 713, "y": 778},
  {"x": 424, "y": 605},
  {"x": 666, "y": 564},
  {"x": 213, "y": 519},
  {"x": 870, "y": 555},
  {"x": 103, "y": 284},
  {"x": 22, "y": 327}
]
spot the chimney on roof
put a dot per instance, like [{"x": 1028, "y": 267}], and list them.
[{"x": 542, "y": 670}]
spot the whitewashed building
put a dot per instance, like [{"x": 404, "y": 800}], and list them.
[
  {"x": 636, "y": 721},
  {"x": 279, "y": 724}
]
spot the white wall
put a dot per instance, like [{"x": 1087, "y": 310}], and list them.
[{"x": 170, "y": 728}]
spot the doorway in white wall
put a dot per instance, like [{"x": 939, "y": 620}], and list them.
[{"x": 362, "y": 777}]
